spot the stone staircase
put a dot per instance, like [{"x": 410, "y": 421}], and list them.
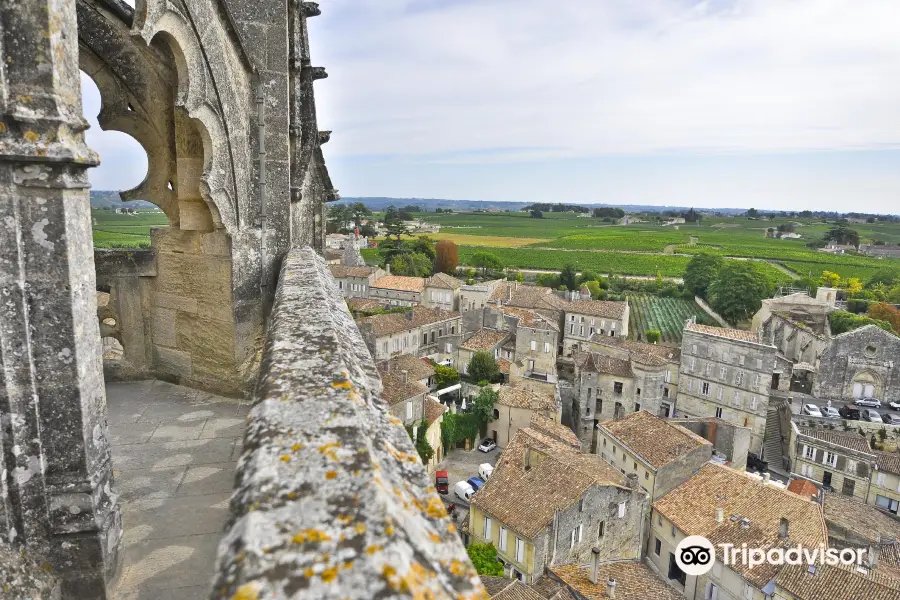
[{"x": 775, "y": 439}]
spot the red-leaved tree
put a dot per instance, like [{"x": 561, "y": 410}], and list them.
[
  {"x": 447, "y": 257},
  {"x": 886, "y": 312}
]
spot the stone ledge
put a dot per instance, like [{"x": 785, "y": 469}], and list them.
[
  {"x": 114, "y": 262},
  {"x": 331, "y": 499}
]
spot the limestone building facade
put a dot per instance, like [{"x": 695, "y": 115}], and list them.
[
  {"x": 419, "y": 331},
  {"x": 864, "y": 362}
]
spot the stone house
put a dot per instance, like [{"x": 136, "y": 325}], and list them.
[
  {"x": 397, "y": 290},
  {"x": 535, "y": 342},
  {"x": 418, "y": 369},
  {"x": 619, "y": 579},
  {"x": 799, "y": 582},
  {"x": 420, "y": 331},
  {"x": 731, "y": 443},
  {"x": 620, "y": 347},
  {"x": 547, "y": 504},
  {"x": 728, "y": 506},
  {"x": 884, "y": 489},
  {"x": 834, "y": 460},
  {"x": 661, "y": 454},
  {"x": 799, "y": 344},
  {"x": 442, "y": 292},
  {"x": 483, "y": 340},
  {"x": 585, "y": 318},
  {"x": 514, "y": 410},
  {"x": 354, "y": 282},
  {"x": 852, "y": 524},
  {"x": 405, "y": 397},
  {"x": 726, "y": 373},
  {"x": 434, "y": 415},
  {"x": 604, "y": 390},
  {"x": 472, "y": 300},
  {"x": 864, "y": 362},
  {"x": 541, "y": 300}
]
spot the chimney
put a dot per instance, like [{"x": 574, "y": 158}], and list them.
[
  {"x": 527, "y": 459},
  {"x": 872, "y": 556},
  {"x": 783, "y": 528},
  {"x": 387, "y": 268},
  {"x": 595, "y": 558},
  {"x": 767, "y": 477},
  {"x": 633, "y": 481},
  {"x": 409, "y": 315},
  {"x": 745, "y": 523},
  {"x": 611, "y": 587},
  {"x": 404, "y": 375},
  {"x": 509, "y": 291},
  {"x": 720, "y": 515}
]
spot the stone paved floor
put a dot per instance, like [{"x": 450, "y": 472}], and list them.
[{"x": 174, "y": 452}]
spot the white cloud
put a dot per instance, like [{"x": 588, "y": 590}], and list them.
[{"x": 589, "y": 78}]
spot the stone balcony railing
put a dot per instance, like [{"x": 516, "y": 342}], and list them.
[{"x": 331, "y": 498}]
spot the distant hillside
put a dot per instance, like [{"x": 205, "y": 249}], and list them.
[
  {"x": 110, "y": 199},
  {"x": 430, "y": 204}
]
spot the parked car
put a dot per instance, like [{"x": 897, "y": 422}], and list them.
[
  {"x": 463, "y": 490},
  {"x": 891, "y": 419},
  {"x": 811, "y": 409},
  {"x": 442, "y": 481},
  {"x": 487, "y": 445},
  {"x": 475, "y": 482},
  {"x": 895, "y": 405},
  {"x": 830, "y": 412},
  {"x": 868, "y": 414},
  {"x": 485, "y": 470},
  {"x": 868, "y": 402},
  {"x": 755, "y": 463},
  {"x": 848, "y": 412}
]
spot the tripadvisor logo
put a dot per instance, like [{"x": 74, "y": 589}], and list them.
[{"x": 696, "y": 555}]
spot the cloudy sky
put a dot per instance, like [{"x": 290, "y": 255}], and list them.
[{"x": 765, "y": 103}]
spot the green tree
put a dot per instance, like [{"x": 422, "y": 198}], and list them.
[
  {"x": 738, "y": 290},
  {"x": 842, "y": 235},
  {"x": 393, "y": 223},
  {"x": 483, "y": 407},
  {"x": 653, "y": 335},
  {"x": 485, "y": 261},
  {"x": 568, "y": 277},
  {"x": 887, "y": 276},
  {"x": 536, "y": 214},
  {"x": 422, "y": 245},
  {"x": 423, "y": 447},
  {"x": 589, "y": 275},
  {"x": 359, "y": 211},
  {"x": 445, "y": 376},
  {"x": 549, "y": 280},
  {"x": 700, "y": 272},
  {"x": 752, "y": 213},
  {"x": 843, "y": 321},
  {"x": 483, "y": 366},
  {"x": 484, "y": 559},
  {"x": 597, "y": 293}
]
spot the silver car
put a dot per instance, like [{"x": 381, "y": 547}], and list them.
[
  {"x": 868, "y": 414},
  {"x": 868, "y": 402},
  {"x": 830, "y": 412}
]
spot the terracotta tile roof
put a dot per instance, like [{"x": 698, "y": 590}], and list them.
[
  {"x": 501, "y": 588},
  {"x": 399, "y": 282},
  {"x": 865, "y": 520},
  {"x": 416, "y": 317},
  {"x": 691, "y": 507},
  {"x": 417, "y": 368},
  {"x": 803, "y": 488},
  {"x": 525, "y": 501},
  {"x": 529, "y": 318},
  {"x": 517, "y": 397},
  {"x": 634, "y": 581},
  {"x": 433, "y": 410},
  {"x": 331, "y": 254},
  {"x": 551, "y": 589},
  {"x": 341, "y": 271},
  {"x": 668, "y": 353},
  {"x": 653, "y": 439},
  {"x": 889, "y": 462},
  {"x": 443, "y": 281},
  {"x": 484, "y": 339},
  {"x": 597, "y": 308},
  {"x": 853, "y": 441},
  {"x": 503, "y": 365},
  {"x": 553, "y": 429},
  {"x": 396, "y": 390},
  {"x": 364, "y": 304},
  {"x": 732, "y": 334},
  {"x": 836, "y": 583},
  {"x": 591, "y": 362}
]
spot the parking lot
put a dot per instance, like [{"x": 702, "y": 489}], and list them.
[
  {"x": 461, "y": 465},
  {"x": 800, "y": 399}
]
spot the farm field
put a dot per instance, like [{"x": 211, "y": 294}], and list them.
[
  {"x": 489, "y": 241},
  {"x": 602, "y": 262},
  {"x": 113, "y": 230},
  {"x": 665, "y": 314}
]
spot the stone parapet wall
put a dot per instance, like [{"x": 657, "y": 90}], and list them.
[{"x": 331, "y": 498}]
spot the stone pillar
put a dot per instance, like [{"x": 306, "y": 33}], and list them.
[{"x": 58, "y": 476}]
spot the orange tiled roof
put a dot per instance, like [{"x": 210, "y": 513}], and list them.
[
  {"x": 732, "y": 334},
  {"x": 655, "y": 440},
  {"x": 399, "y": 282}
]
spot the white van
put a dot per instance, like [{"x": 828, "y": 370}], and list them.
[
  {"x": 485, "y": 470},
  {"x": 463, "y": 490}
]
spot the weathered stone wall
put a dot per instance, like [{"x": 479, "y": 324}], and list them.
[
  {"x": 680, "y": 470},
  {"x": 868, "y": 354},
  {"x": 331, "y": 498}
]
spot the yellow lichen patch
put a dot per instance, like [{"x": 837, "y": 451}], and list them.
[
  {"x": 297, "y": 447},
  {"x": 285, "y": 458},
  {"x": 360, "y": 528},
  {"x": 458, "y": 568},
  {"x": 331, "y": 474},
  {"x": 329, "y": 449},
  {"x": 31, "y": 136},
  {"x": 436, "y": 508},
  {"x": 347, "y": 565},
  {"x": 291, "y": 495},
  {"x": 2, "y": 127},
  {"x": 308, "y": 572},
  {"x": 311, "y": 535},
  {"x": 394, "y": 420},
  {"x": 374, "y": 548},
  {"x": 434, "y": 537},
  {"x": 247, "y": 592},
  {"x": 342, "y": 384},
  {"x": 451, "y": 528},
  {"x": 389, "y": 530},
  {"x": 344, "y": 518},
  {"x": 329, "y": 575}
]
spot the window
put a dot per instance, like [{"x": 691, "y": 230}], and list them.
[
  {"x": 712, "y": 591},
  {"x": 759, "y": 363},
  {"x": 621, "y": 510},
  {"x": 809, "y": 452},
  {"x": 690, "y": 385},
  {"x": 581, "y": 330},
  {"x": 487, "y": 528},
  {"x": 693, "y": 348},
  {"x": 659, "y": 520},
  {"x": 753, "y": 402},
  {"x": 409, "y": 410},
  {"x": 581, "y": 505},
  {"x": 612, "y": 326},
  {"x": 668, "y": 376},
  {"x": 340, "y": 284},
  {"x": 533, "y": 345},
  {"x": 617, "y": 387},
  {"x": 849, "y": 487},
  {"x": 604, "y": 442},
  {"x": 879, "y": 481},
  {"x": 718, "y": 412},
  {"x": 635, "y": 466},
  {"x": 748, "y": 591},
  {"x": 806, "y": 470},
  {"x": 886, "y": 503},
  {"x": 453, "y": 330},
  {"x": 589, "y": 393},
  {"x": 719, "y": 393},
  {"x": 546, "y": 346},
  {"x": 851, "y": 467},
  {"x": 637, "y": 407},
  {"x": 830, "y": 459},
  {"x": 693, "y": 364},
  {"x": 646, "y": 474},
  {"x": 502, "y": 536},
  {"x": 736, "y": 399},
  {"x": 639, "y": 391},
  {"x": 600, "y": 529},
  {"x": 723, "y": 372},
  {"x": 449, "y": 348},
  {"x": 756, "y": 381},
  {"x": 425, "y": 338},
  {"x": 739, "y": 380},
  {"x": 709, "y": 369},
  {"x": 741, "y": 360},
  {"x": 572, "y": 328},
  {"x": 657, "y": 547},
  {"x": 520, "y": 550},
  {"x": 704, "y": 388},
  {"x": 673, "y": 531}
]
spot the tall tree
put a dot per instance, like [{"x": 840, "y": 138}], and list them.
[
  {"x": 569, "y": 277},
  {"x": 738, "y": 290},
  {"x": 485, "y": 261},
  {"x": 484, "y": 559},
  {"x": 483, "y": 408},
  {"x": 447, "y": 257},
  {"x": 393, "y": 223},
  {"x": 483, "y": 366},
  {"x": 700, "y": 272}
]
